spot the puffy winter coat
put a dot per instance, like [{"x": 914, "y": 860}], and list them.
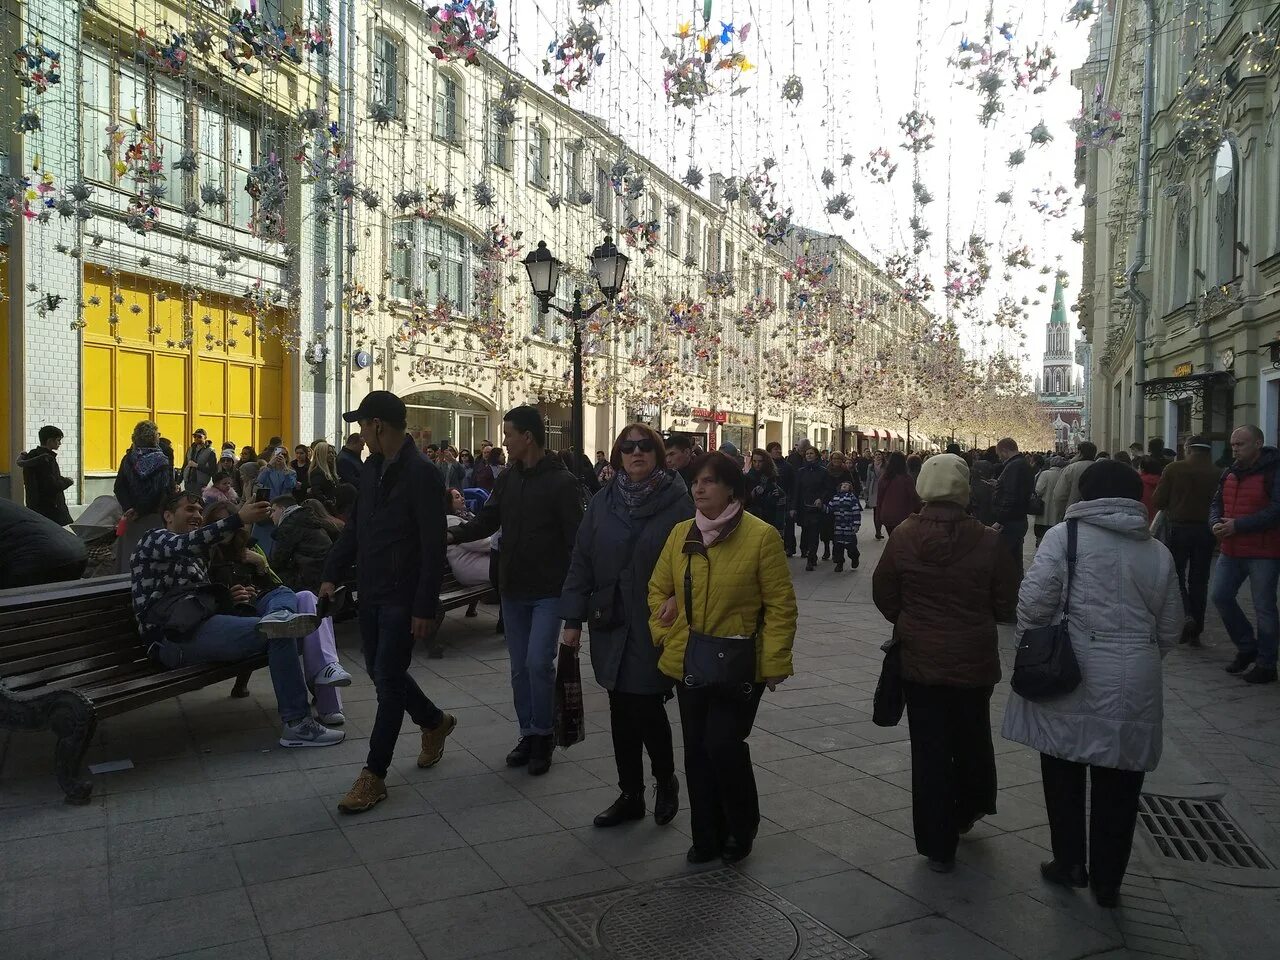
[
  {"x": 811, "y": 484},
  {"x": 301, "y": 545},
  {"x": 469, "y": 562},
  {"x": 1126, "y": 614},
  {"x": 36, "y": 549},
  {"x": 944, "y": 582},
  {"x": 613, "y": 558},
  {"x": 1251, "y": 497},
  {"x": 1013, "y": 491},
  {"x": 45, "y": 485},
  {"x": 740, "y": 581}
]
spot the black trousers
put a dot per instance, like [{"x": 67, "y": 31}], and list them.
[
  {"x": 717, "y": 764},
  {"x": 953, "y": 764},
  {"x": 810, "y": 530},
  {"x": 789, "y": 534},
  {"x": 838, "y": 549},
  {"x": 640, "y": 723},
  {"x": 828, "y": 531},
  {"x": 1113, "y": 814},
  {"x": 386, "y": 636},
  {"x": 875, "y": 519},
  {"x": 1192, "y": 547},
  {"x": 1011, "y": 537}
]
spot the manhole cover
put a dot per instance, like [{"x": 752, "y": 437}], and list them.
[
  {"x": 1198, "y": 831},
  {"x": 717, "y": 915},
  {"x": 698, "y": 923}
]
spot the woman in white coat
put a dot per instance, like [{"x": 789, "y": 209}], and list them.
[{"x": 1126, "y": 614}]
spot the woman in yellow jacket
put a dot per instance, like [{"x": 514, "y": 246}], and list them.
[{"x": 732, "y": 566}]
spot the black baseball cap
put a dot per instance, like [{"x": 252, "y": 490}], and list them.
[
  {"x": 1200, "y": 441},
  {"x": 379, "y": 405}
]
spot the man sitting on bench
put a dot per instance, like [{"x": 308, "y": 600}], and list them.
[{"x": 178, "y": 612}]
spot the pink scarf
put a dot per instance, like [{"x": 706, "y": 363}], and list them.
[{"x": 712, "y": 530}]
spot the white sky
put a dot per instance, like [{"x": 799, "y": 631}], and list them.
[{"x": 857, "y": 60}]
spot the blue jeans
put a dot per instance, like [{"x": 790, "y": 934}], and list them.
[
  {"x": 533, "y": 638},
  {"x": 1262, "y": 574},
  {"x": 386, "y": 634},
  {"x": 226, "y": 639}
]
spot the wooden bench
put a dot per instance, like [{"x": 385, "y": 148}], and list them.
[
  {"x": 454, "y": 596},
  {"x": 70, "y": 655}
]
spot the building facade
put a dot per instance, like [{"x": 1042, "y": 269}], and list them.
[{"x": 1209, "y": 359}]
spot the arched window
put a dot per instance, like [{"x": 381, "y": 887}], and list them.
[{"x": 1226, "y": 179}]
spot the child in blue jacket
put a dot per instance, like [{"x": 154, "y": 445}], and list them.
[{"x": 846, "y": 510}]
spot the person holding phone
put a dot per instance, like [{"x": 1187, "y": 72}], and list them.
[
  {"x": 395, "y": 534},
  {"x": 276, "y": 479}
]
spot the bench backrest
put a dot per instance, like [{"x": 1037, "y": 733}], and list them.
[{"x": 56, "y": 635}]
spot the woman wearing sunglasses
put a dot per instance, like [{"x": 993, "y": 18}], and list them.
[{"x": 625, "y": 527}]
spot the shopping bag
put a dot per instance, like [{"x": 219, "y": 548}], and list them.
[{"x": 570, "y": 723}]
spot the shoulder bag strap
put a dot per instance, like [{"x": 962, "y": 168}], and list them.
[
  {"x": 1071, "y": 565},
  {"x": 688, "y": 590}
]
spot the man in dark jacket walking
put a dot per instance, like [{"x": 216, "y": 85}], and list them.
[
  {"x": 537, "y": 505},
  {"x": 1012, "y": 498},
  {"x": 395, "y": 535},
  {"x": 810, "y": 483},
  {"x": 786, "y": 480},
  {"x": 1184, "y": 493},
  {"x": 348, "y": 463},
  {"x": 44, "y": 483},
  {"x": 1245, "y": 517}
]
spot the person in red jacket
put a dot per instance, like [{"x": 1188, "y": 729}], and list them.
[
  {"x": 1149, "y": 470},
  {"x": 897, "y": 488},
  {"x": 1245, "y": 517}
]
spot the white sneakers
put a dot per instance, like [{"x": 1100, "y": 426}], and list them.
[
  {"x": 285, "y": 623},
  {"x": 308, "y": 733},
  {"x": 332, "y": 676},
  {"x": 335, "y": 719}
]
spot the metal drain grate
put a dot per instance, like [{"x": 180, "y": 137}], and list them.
[{"x": 1198, "y": 831}]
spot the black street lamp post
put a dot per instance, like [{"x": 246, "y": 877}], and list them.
[
  {"x": 903, "y": 414},
  {"x": 610, "y": 269}
]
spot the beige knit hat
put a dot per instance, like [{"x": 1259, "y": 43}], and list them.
[{"x": 944, "y": 477}]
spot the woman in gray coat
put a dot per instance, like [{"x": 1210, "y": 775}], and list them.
[
  {"x": 624, "y": 530},
  {"x": 1126, "y": 614}
]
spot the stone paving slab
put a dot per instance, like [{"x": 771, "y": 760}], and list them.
[{"x": 220, "y": 844}]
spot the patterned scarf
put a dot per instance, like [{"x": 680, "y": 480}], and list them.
[{"x": 634, "y": 494}]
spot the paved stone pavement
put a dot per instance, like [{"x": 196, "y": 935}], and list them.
[{"x": 220, "y": 844}]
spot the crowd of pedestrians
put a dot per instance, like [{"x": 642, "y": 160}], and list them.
[{"x": 672, "y": 563}]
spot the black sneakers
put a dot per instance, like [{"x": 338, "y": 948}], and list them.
[
  {"x": 1260, "y": 674},
  {"x": 540, "y": 755},
  {"x": 1241, "y": 663},
  {"x": 519, "y": 756},
  {"x": 1064, "y": 876}
]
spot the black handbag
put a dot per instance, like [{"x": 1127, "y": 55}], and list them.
[
  {"x": 890, "y": 699},
  {"x": 1035, "y": 505},
  {"x": 180, "y": 612},
  {"x": 710, "y": 662},
  {"x": 607, "y": 611},
  {"x": 1045, "y": 665}
]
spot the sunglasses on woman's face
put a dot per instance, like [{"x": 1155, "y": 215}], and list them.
[{"x": 631, "y": 446}]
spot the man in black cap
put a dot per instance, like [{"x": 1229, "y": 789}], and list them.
[
  {"x": 395, "y": 535},
  {"x": 201, "y": 464},
  {"x": 1184, "y": 493}
]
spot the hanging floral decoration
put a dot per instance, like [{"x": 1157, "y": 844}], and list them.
[
  {"x": 1018, "y": 257},
  {"x": 773, "y": 223},
  {"x": 1098, "y": 127},
  {"x": 879, "y": 166},
  {"x": 141, "y": 215},
  {"x": 1081, "y": 11},
  {"x": 1037, "y": 69},
  {"x": 1040, "y": 135},
  {"x": 36, "y": 66},
  {"x": 704, "y": 62},
  {"x": 720, "y": 284},
  {"x": 809, "y": 276},
  {"x": 968, "y": 272},
  {"x": 1051, "y": 203},
  {"x": 460, "y": 29},
  {"x": 793, "y": 89},
  {"x": 32, "y": 197},
  {"x": 252, "y": 37},
  {"x": 642, "y": 234},
  {"x": 918, "y": 128},
  {"x": 269, "y": 186},
  {"x": 317, "y": 37},
  {"x": 573, "y": 57},
  {"x": 165, "y": 51}
]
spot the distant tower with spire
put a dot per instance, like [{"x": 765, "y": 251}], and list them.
[{"x": 1058, "y": 387}]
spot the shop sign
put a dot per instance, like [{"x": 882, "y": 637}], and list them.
[
  {"x": 1183, "y": 370},
  {"x": 701, "y": 413},
  {"x": 739, "y": 420}
]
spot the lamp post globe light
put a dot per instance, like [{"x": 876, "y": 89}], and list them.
[{"x": 610, "y": 270}]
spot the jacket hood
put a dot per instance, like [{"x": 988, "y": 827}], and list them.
[
  {"x": 1118, "y": 514},
  {"x": 147, "y": 461},
  {"x": 945, "y": 533},
  {"x": 34, "y": 457}
]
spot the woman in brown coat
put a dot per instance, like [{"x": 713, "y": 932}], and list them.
[{"x": 944, "y": 582}]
